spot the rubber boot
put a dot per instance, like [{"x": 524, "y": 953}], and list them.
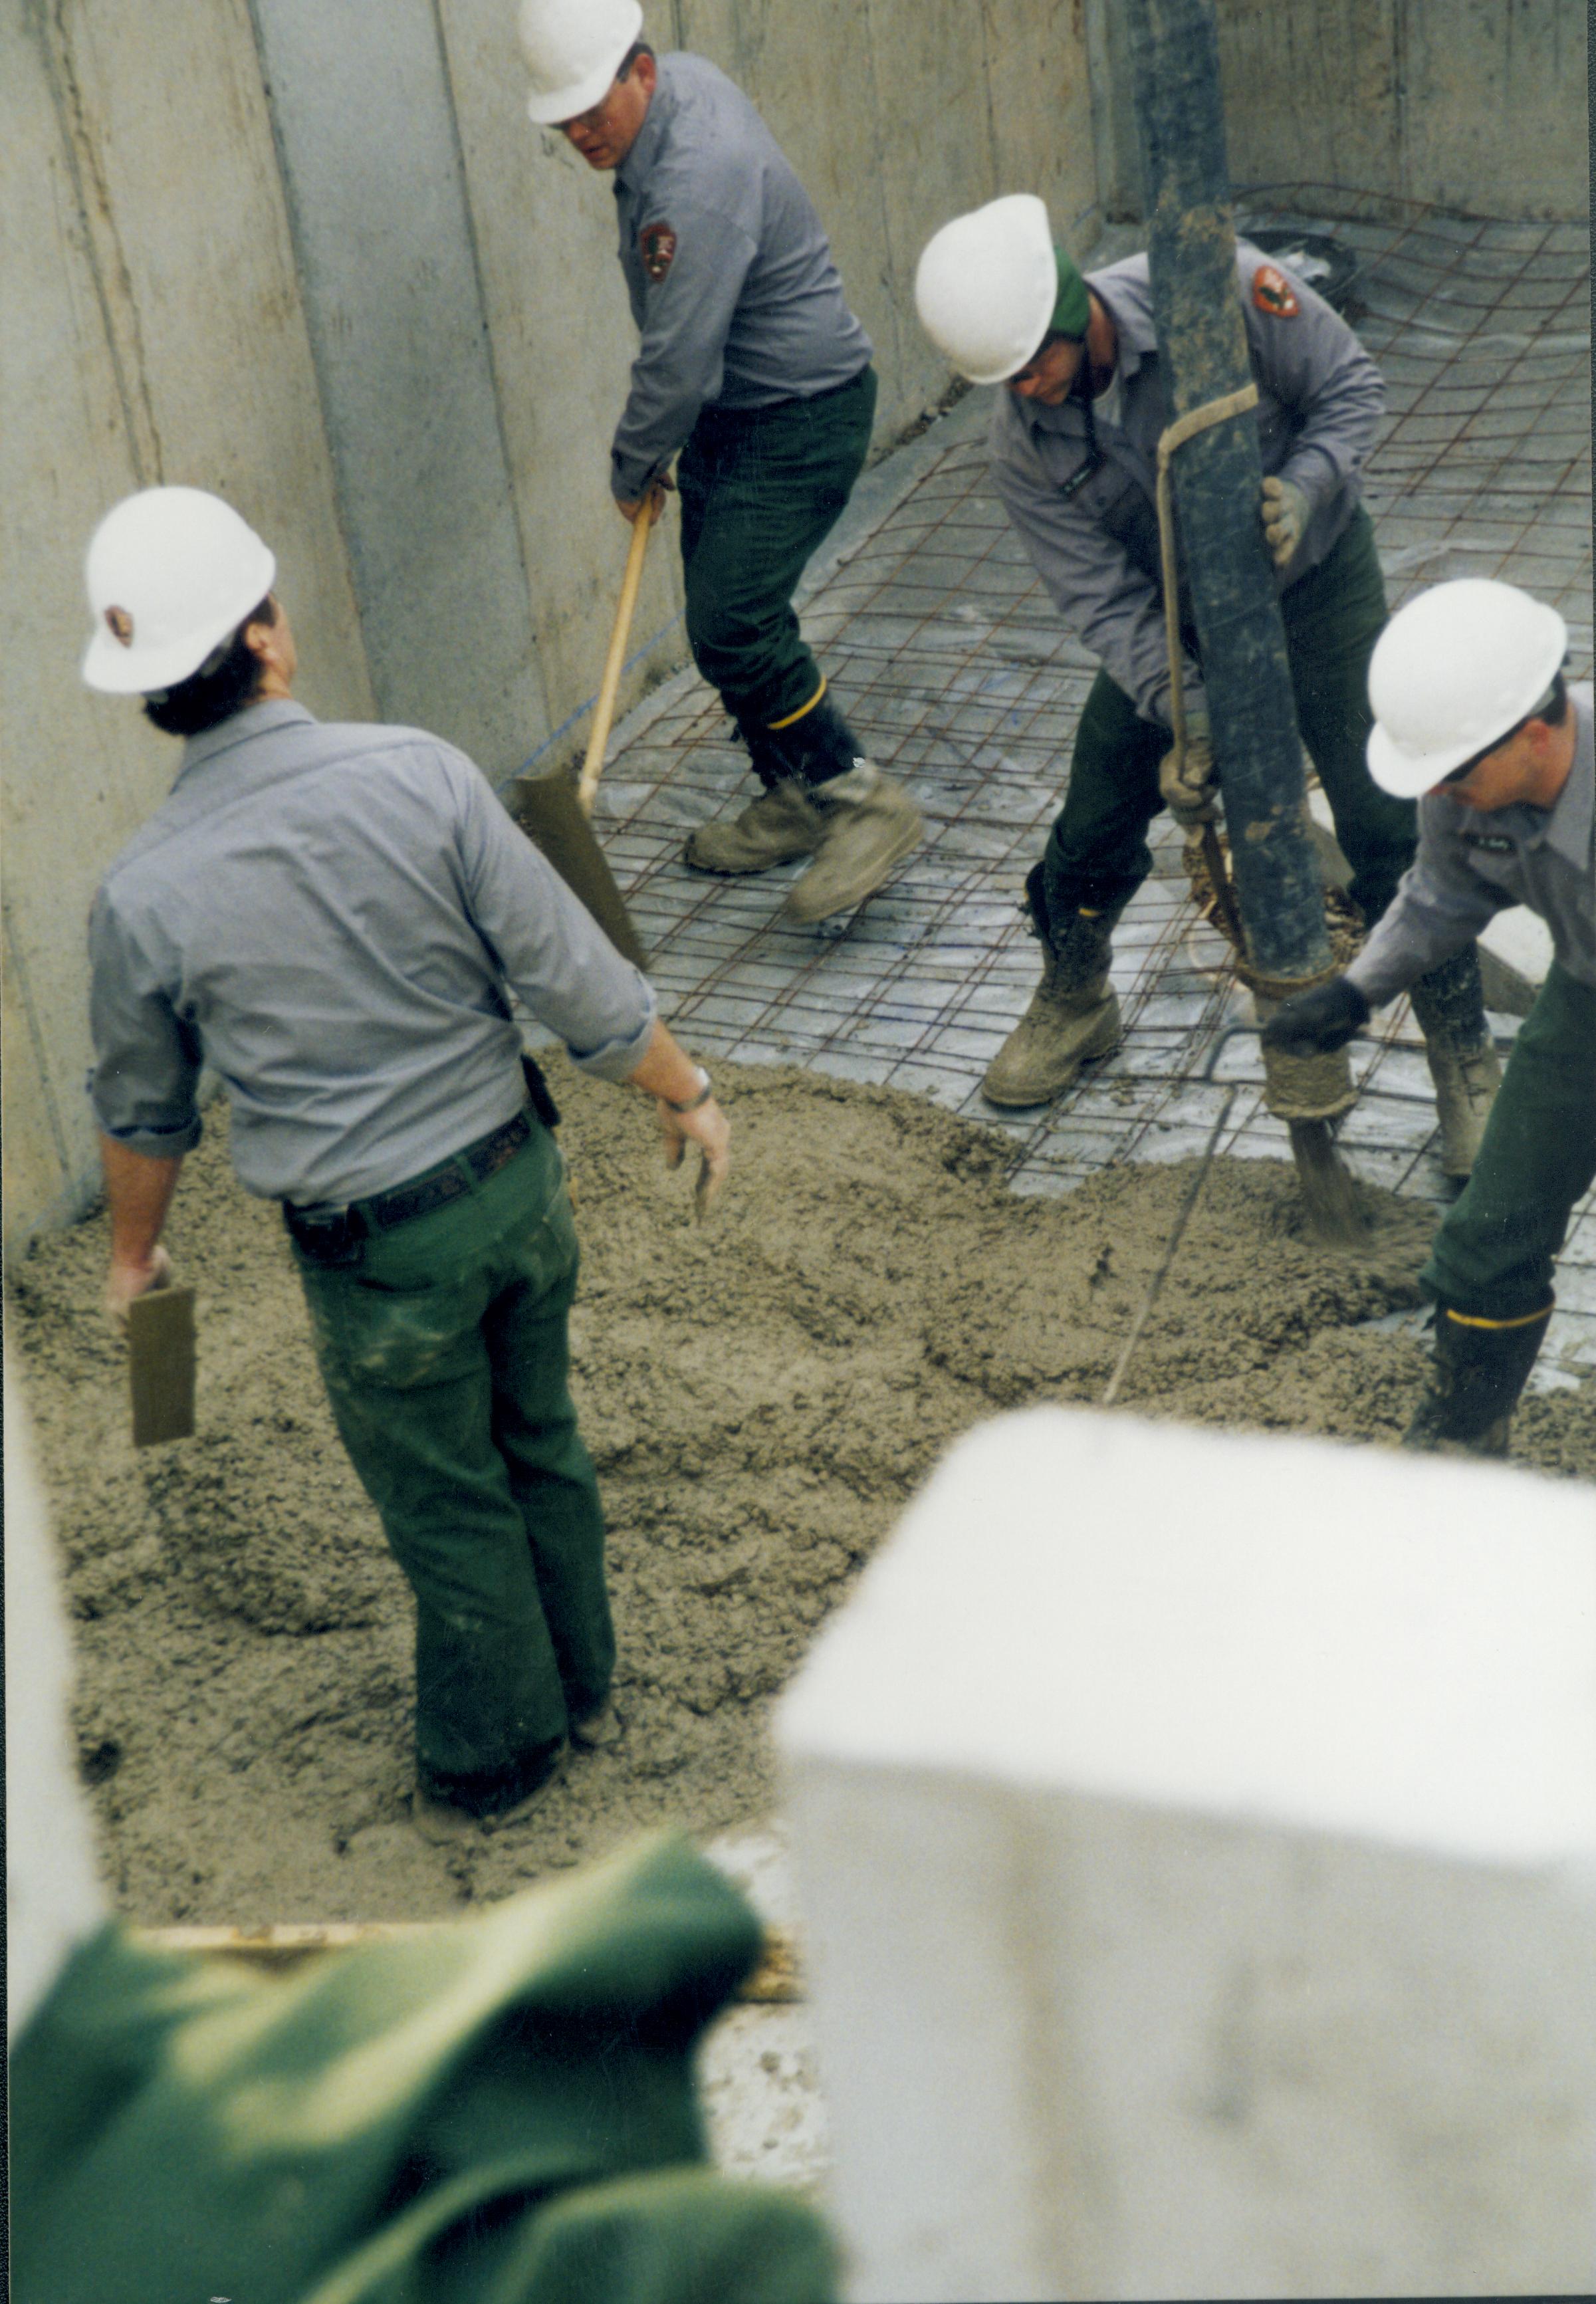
[
  {"x": 1461, "y": 1054},
  {"x": 868, "y": 823},
  {"x": 1476, "y": 1377},
  {"x": 1073, "y": 1014}
]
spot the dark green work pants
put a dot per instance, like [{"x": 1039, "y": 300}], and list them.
[
  {"x": 761, "y": 488},
  {"x": 1097, "y": 855},
  {"x": 1493, "y": 1255},
  {"x": 444, "y": 1353}
]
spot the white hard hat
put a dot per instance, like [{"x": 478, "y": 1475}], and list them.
[
  {"x": 1453, "y": 671},
  {"x": 170, "y": 573},
  {"x": 986, "y": 285},
  {"x": 572, "y": 49}
]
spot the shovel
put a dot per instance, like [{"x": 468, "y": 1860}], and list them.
[
  {"x": 160, "y": 1359},
  {"x": 554, "y": 812}
]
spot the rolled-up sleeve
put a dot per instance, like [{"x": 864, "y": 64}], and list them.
[
  {"x": 551, "y": 951},
  {"x": 147, "y": 1058}
]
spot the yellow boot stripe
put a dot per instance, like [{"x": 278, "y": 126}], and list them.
[
  {"x": 1472, "y": 1320},
  {"x": 774, "y": 724}
]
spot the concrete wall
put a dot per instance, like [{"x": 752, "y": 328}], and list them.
[{"x": 1477, "y": 104}]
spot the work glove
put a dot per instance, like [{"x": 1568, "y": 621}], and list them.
[
  {"x": 1187, "y": 779},
  {"x": 1286, "y": 509},
  {"x": 1312, "y": 1023}
]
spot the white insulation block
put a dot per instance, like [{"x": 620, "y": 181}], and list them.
[{"x": 1196, "y": 1844}]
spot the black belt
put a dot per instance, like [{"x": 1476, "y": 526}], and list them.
[{"x": 335, "y": 1237}]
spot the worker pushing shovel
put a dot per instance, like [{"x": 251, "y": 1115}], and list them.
[
  {"x": 334, "y": 918},
  {"x": 754, "y": 370}
]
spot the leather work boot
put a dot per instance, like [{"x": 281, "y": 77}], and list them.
[
  {"x": 781, "y": 824},
  {"x": 1449, "y": 1008},
  {"x": 1072, "y": 1014},
  {"x": 868, "y": 824},
  {"x": 1478, "y": 1371}
]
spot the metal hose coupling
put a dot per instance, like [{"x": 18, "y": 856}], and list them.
[{"x": 1299, "y": 1088}]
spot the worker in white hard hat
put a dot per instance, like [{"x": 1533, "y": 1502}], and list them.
[
  {"x": 754, "y": 370},
  {"x": 501, "y": 2107},
  {"x": 335, "y": 920},
  {"x": 1073, "y": 442},
  {"x": 1473, "y": 716}
]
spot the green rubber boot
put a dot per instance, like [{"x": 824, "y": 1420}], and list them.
[{"x": 1478, "y": 1370}]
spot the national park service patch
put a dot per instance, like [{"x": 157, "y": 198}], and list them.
[
  {"x": 657, "y": 245},
  {"x": 1273, "y": 293}
]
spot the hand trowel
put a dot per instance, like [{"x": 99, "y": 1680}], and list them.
[{"x": 160, "y": 1359}]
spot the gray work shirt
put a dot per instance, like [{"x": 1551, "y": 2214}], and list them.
[
  {"x": 731, "y": 278},
  {"x": 1471, "y": 865},
  {"x": 1095, "y": 549},
  {"x": 332, "y": 917}
]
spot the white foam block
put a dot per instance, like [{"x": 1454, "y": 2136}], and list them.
[{"x": 1196, "y": 1835}]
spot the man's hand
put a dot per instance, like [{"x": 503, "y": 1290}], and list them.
[
  {"x": 1186, "y": 782},
  {"x": 1314, "y": 1023},
  {"x": 653, "y": 496},
  {"x": 128, "y": 1278},
  {"x": 706, "y": 1126},
  {"x": 1286, "y": 510}
]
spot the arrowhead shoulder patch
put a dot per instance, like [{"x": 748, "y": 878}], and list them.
[
  {"x": 657, "y": 246},
  {"x": 1273, "y": 293}
]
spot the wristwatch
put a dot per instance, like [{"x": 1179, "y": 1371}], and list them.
[{"x": 693, "y": 1102}]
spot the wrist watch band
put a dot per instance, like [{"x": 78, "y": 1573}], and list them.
[{"x": 693, "y": 1102}]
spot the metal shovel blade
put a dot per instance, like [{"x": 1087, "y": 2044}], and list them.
[
  {"x": 160, "y": 1359},
  {"x": 548, "y": 812}
]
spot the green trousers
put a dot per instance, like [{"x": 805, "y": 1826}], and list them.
[
  {"x": 497, "y": 2111},
  {"x": 444, "y": 1353},
  {"x": 760, "y": 490},
  {"x": 1097, "y": 854},
  {"x": 1494, "y": 1254}
]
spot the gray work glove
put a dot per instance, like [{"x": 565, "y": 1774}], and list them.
[
  {"x": 1286, "y": 510},
  {"x": 1186, "y": 779}
]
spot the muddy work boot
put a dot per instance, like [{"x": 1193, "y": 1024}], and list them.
[
  {"x": 1478, "y": 1370},
  {"x": 1462, "y": 1060},
  {"x": 781, "y": 824},
  {"x": 867, "y": 823},
  {"x": 1073, "y": 1014}
]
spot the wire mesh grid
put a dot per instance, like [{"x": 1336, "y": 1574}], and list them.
[{"x": 955, "y": 672}]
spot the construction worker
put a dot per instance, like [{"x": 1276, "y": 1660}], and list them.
[
  {"x": 502, "y": 2107},
  {"x": 1073, "y": 442},
  {"x": 1470, "y": 712},
  {"x": 754, "y": 368},
  {"x": 334, "y": 918}
]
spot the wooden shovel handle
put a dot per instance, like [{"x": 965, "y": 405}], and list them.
[{"x": 605, "y": 710}]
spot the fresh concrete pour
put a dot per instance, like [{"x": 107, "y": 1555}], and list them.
[{"x": 762, "y": 1396}]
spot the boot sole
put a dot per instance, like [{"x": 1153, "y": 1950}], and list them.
[
  {"x": 741, "y": 871},
  {"x": 1101, "y": 1042},
  {"x": 854, "y": 893}
]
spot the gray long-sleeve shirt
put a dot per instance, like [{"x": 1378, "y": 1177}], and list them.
[
  {"x": 1471, "y": 864},
  {"x": 332, "y": 918},
  {"x": 731, "y": 278},
  {"x": 1320, "y": 398}
]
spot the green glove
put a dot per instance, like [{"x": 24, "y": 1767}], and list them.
[{"x": 1285, "y": 513}]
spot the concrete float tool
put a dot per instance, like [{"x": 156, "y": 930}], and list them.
[
  {"x": 554, "y": 812},
  {"x": 160, "y": 1364},
  {"x": 1218, "y": 478}
]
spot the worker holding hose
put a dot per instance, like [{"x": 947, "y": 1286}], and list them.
[
  {"x": 1074, "y": 451},
  {"x": 754, "y": 368},
  {"x": 334, "y": 920},
  {"x": 1471, "y": 715}
]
